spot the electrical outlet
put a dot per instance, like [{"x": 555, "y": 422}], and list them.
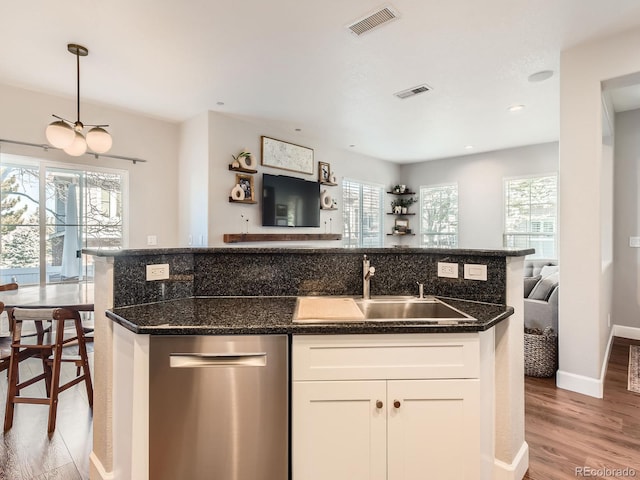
[
  {"x": 634, "y": 242},
  {"x": 475, "y": 272},
  {"x": 158, "y": 272},
  {"x": 152, "y": 240},
  {"x": 447, "y": 270}
]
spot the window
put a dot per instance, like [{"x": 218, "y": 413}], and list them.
[
  {"x": 439, "y": 216},
  {"x": 49, "y": 212},
  {"x": 531, "y": 210},
  {"x": 362, "y": 214}
]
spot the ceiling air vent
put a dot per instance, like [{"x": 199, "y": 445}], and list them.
[
  {"x": 373, "y": 20},
  {"x": 411, "y": 92}
]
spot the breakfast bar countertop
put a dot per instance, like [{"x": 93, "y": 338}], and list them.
[{"x": 274, "y": 315}]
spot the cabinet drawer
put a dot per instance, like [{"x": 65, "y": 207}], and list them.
[{"x": 371, "y": 357}]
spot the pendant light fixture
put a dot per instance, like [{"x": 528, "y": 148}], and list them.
[{"x": 68, "y": 135}]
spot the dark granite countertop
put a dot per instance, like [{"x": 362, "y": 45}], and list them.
[
  {"x": 274, "y": 315},
  {"x": 506, "y": 252}
]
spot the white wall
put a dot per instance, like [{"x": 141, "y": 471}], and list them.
[
  {"x": 626, "y": 260},
  {"x": 228, "y": 136},
  {"x": 585, "y": 192},
  {"x": 480, "y": 186},
  {"x": 193, "y": 181},
  {"x": 153, "y": 208}
]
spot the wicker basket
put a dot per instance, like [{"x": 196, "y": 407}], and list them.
[{"x": 540, "y": 352}]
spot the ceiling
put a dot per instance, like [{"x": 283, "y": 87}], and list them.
[{"x": 294, "y": 65}]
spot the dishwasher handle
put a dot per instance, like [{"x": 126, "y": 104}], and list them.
[{"x": 199, "y": 360}]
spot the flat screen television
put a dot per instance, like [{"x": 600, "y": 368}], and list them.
[{"x": 290, "y": 202}]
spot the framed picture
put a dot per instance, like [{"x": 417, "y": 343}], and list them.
[
  {"x": 401, "y": 225},
  {"x": 324, "y": 172},
  {"x": 287, "y": 156},
  {"x": 246, "y": 183}
]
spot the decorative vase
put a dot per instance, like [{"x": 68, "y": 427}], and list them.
[
  {"x": 247, "y": 162},
  {"x": 235, "y": 164},
  {"x": 325, "y": 199},
  {"x": 404, "y": 210},
  {"x": 332, "y": 178},
  {"x": 237, "y": 193},
  {"x": 397, "y": 209}
]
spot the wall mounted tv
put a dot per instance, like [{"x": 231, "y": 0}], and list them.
[{"x": 290, "y": 202}]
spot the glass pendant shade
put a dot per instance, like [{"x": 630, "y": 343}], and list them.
[
  {"x": 78, "y": 147},
  {"x": 99, "y": 140},
  {"x": 60, "y": 134}
]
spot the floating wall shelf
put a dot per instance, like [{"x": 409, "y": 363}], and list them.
[{"x": 278, "y": 237}]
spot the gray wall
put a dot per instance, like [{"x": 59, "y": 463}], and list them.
[
  {"x": 626, "y": 260},
  {"x": 480, "y": 186}
]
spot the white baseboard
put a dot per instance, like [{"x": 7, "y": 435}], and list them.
[
  {"x": 515, "y": 470},
  {"x": 594, "y": 387},
  {"x": 97, "y": 470},
  {"x": 626, "y": 332},
  {"x": 579, "y": 384}
]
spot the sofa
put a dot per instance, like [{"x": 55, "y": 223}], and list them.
[{"x": 541, "y": 285}]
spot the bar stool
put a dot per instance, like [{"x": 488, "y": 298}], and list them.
[{"x": 48, "y": 345}]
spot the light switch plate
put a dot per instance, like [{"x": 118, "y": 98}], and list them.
[
  {"x": 447, "y": 270},
  {"x": 159, "y": 271},
  {"x": 474, "y": 271}
]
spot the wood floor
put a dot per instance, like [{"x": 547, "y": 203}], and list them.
[
  {"x": 27, "y": 452},
  {"x": 565, "y": 430}
]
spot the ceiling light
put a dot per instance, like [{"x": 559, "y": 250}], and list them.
[
  {"x": 515, "y": 108},
  {"x": 541, "y": 76},
  {"x": 67, "y": 135},
  {"x": 468, "y": 147}
]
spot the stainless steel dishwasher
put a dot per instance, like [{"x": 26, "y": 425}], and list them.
[{"x": 218, "y": 407}]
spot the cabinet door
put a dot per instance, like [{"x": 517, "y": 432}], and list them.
[
  {"x": 339, "y": 431},
  {"x": 433, "y": 429}
]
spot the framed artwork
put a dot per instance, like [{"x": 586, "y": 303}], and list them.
[
  {"x": 287, "y": 156},
  {"x": 324, "y": 172},
  {"x": 401, "y": 225},
  {"x": 246, "y": 183}
]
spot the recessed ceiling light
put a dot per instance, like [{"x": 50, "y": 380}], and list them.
[
  {"x": 468, "y": 147},
  {"x": 541, "y": 76},
  {"x": 352, "y": 145},
  {"x": 298, "y": 129},
  {"x": 220, "y": 103},
  {"x": 515, "y": 108}
]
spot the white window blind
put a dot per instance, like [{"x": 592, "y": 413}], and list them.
[
  {"x": 531, "y": 210},
  {"x": 362, "y": 214},
  {"x": 439, "y": 215}
]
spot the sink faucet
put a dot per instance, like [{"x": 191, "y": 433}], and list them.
[
  {"x": 420, "y": 290},
  {"x": 367, "y": 272}
]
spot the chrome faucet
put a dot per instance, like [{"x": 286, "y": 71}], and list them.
[
  {"x": 367, "y": 272},
  {"x": 420, "y": 290}
]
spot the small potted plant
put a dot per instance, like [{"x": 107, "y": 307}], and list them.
[{"x": 405, "y": 203}]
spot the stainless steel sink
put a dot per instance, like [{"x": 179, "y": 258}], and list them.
[
  {"x": 413, "y": 309},
  {"x": 390, "y": 309}
]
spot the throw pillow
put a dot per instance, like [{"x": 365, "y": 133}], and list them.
[
  {"x": 548, "y": 270},
  {"x": 543, "y": 289},
  {"x": 529, "y": 283}
]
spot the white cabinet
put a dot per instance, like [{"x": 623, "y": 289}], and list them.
[
  {"x": 339, "y": 433},
  {"x": 377, "y": 407}
]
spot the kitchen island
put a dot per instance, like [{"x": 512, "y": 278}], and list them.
[{"x": 202, "y": 298}]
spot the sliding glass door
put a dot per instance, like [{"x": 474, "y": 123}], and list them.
[{"x": 49, "y": 213}]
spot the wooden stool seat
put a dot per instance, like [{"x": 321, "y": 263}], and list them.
[{"x": 48, "y": 345}]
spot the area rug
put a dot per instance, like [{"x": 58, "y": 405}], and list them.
[{"x": 634, "y": 368}]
